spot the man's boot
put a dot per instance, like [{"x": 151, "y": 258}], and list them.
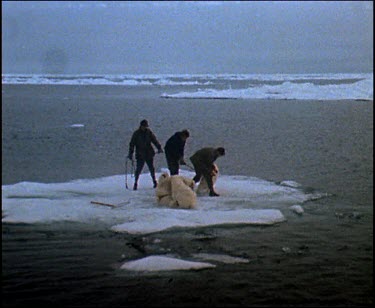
[
  {"x": 214, "y": 194},
  {"x": 154, "y": 178}
]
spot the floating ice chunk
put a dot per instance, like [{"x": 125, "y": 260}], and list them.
[
  {"x": 163, "y": 263},
  {"x": 353, "y": 215},
  {"x": 220, "y": 258},
  {"x": 77, "y": 125},
  {"x": 297, "y": 209},
  {"x": 290, "y": 184}
]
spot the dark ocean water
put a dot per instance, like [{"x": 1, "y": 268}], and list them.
[{"x": 323, "y": 258}]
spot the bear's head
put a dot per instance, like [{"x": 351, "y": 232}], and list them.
[{"x": 163, "y": 177}]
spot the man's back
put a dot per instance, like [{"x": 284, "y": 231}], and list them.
[
  {"x": 141, "y": 140},
  {"x": 205, "y": 155},
  {"x": 174, "y": 147}
]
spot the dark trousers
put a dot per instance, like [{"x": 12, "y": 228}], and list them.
[
  {"x": 140, "y": 164},
  {"x": 173, "y": 165},
  {"x": 202, "y": 170}
]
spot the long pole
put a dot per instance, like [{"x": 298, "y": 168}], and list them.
[
  {"x": 126, "y": 174},
  {"x": 190, "y": 167}
]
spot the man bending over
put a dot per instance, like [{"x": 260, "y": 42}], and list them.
[{"x": 203, "y": 162}]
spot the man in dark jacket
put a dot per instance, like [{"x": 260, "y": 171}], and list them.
[
  {"x": 144, "y": 152},
  {"x": 174, "y": 151},
  {"x": 203, "y": 161}
]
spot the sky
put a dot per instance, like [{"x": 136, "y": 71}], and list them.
[{"x": 186, "y": 37}]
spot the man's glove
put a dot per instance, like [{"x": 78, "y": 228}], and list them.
[{"x": 182, "y": 161}]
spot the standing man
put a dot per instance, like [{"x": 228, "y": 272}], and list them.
[
  {"x": 203, "y": 161},
  {"x": 174, "y": 151},
  {"x": 144, "y": 151}
]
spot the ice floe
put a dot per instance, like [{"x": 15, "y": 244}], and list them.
[
  {"x": 163, "y": 263},
  {"x": 243, "y": 200}
]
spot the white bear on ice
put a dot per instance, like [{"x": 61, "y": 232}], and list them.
[
  {"x": 164, "y": 190},
  {"x": 176, "y": 191}
]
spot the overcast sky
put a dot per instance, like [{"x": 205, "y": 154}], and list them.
[{"x": 186, "y": 37}]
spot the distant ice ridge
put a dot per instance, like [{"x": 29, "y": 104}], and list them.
[
  {"x": 121, "y": 80},
  {"x": 224, "y": 86},
  {"x": 243, "y": 200},
  {"x": 288, "y": 90},
  {"x": 231, "y": 86}
]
